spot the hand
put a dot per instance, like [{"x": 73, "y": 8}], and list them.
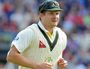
[
  {"x": 45, "y": 65},
  {"x": 62, "y": 63}
]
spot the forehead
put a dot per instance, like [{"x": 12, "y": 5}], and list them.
[{"x": 51, "y": 12}]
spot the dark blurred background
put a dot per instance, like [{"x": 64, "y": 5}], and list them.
[{"x": 15, "y": 15}]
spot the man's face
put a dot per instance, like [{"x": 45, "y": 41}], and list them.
[{"x": 51, "y": 18}]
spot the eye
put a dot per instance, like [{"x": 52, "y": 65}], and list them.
[{"x": 57, "y": 13}]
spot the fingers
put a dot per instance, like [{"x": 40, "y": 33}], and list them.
[
  {"x": 62, "y": 66},
  {"x": 62, "y": 63},
  {"x": 61, "y": 60},
  {"x": 45, "y": 65},
  {"x": 49, "y": 64}
]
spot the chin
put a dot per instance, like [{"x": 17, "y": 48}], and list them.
[{"x": 54, "y": 25}]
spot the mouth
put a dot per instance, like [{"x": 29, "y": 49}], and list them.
[{"x": 54, "y": 20}]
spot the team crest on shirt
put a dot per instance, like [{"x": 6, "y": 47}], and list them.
[
  {"x": 48, "y": 59},
  {"x": 41, "y": 45}
]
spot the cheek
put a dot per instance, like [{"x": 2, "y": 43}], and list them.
[
  {"x": 48, "y": 18},
  {"x": 58, "y": 17}
]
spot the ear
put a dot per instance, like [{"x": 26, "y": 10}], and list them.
[{"x": 41, "y": 15}]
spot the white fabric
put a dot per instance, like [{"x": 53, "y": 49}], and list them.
[{"x": 27, "y": 42}]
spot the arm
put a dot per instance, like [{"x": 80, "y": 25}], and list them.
[
  {"x": 62, "y": 62},
  {"x": 15, "y": 57}
]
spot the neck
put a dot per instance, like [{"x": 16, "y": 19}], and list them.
[{"x": 50, "y": 29}]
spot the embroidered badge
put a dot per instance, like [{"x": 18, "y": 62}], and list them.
[{"x": 48, "y": 59}]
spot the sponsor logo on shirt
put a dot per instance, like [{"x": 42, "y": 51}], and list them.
[{"x": 16, "y": 38}]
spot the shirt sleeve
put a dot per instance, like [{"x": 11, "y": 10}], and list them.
[
  {"x": 23, "y": 40},
  {"x": 64, "y": 40}
]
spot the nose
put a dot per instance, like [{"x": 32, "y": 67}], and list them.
[{"x": 55, "y": 16}]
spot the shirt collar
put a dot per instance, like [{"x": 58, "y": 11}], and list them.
[{"x": 42, "y": 27}]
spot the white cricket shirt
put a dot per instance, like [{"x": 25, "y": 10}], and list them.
[{"x": 31, "y": 43}]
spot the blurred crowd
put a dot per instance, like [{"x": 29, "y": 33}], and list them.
[{"x": 15, "y": 15}]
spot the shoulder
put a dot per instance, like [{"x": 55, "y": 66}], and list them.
[
  {"x": 32, "y": 27},
  {"x": 28, "y": 31}
]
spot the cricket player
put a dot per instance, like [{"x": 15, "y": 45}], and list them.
[{"x": 41, "y": 45}]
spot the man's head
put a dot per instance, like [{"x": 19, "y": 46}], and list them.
[{"x": 49, "y": 12}]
